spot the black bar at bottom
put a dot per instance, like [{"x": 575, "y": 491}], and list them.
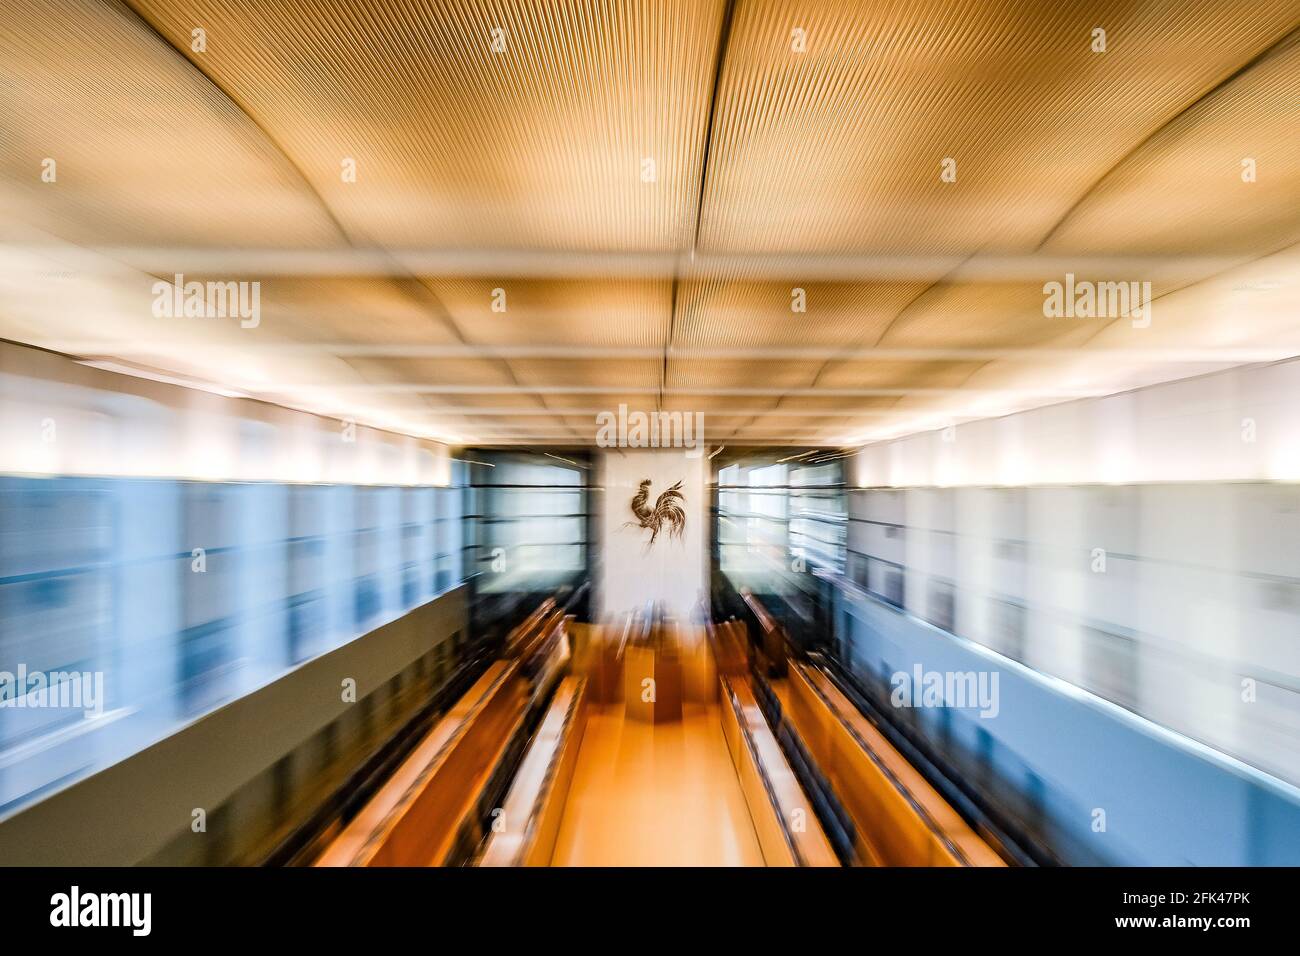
[{"x": 472, "y": 909}]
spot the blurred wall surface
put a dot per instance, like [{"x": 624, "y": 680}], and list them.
[
  {"x": 1142, "y": 546},
  {"x": 528, "y": 517},
  {"x": 166, "y": 550},
  {"x": 1237, "y": 425}
]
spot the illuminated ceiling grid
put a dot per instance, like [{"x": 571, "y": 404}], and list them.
[{"x": 696, "y": 205}]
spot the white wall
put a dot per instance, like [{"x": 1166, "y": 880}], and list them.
[
  {"x": 1238, "y": 425},
  {"x": 59, "y": 417},
  {"x": 1156, "y": 531},
  {"x": 673, "y": 571}
]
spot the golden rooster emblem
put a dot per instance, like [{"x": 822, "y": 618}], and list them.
[{"x": 665, "y": 511}]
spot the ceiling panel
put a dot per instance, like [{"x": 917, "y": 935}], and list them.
[
  {"x": 494, "y": 403},
  {"x": 986, "y": 315},
  {"x": 609, "y": 373},
  {"x": 732, "y": 373},
  {"x": 540, "y": 145},
  {"x": 863, "y": 404},
  {"x": 145, "y": 150},
  {"x": 719, "y": 404},
  {"x": 521, "y": 171},
  {"x": 839, "y": 148},
  {"x": 432, "y": 372},
  {"x": 869, "y": 374},
  {"x": 793, "y": 313},
  {"x": 589, "y": 312},
  {"x": 605, "y": 401},
  {"x": 1182, "y": 190},
  {"x": 327, "y": 310}
]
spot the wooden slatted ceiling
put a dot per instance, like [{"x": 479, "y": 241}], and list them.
[
  {"x": 786, "y": 163},
  {"x": 146, "y": 150},
  {"x": 540, "y": 145},
  {"x": 840, "y": 148}
]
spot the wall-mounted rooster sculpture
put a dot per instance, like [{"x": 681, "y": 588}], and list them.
[{"x": 665, "y": 511}]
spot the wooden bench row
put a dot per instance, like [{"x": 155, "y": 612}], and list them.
[
  {"x": 524, "y": 832},
  {"x": 789, "y": 833},
  {"x": 900, "y": 819},
  {"x": 428, "y": 813},
  {"x": 417, "y": 817}
]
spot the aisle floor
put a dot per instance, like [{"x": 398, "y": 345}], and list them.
[{"x": 656, "y": 795}]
